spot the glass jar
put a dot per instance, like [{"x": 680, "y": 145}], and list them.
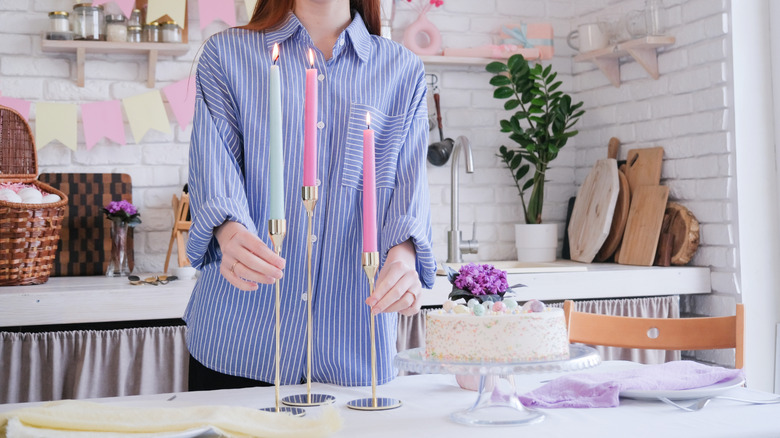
[
  {"x": 116, "y": 28},
  {"x": 89, "y": 22},
  {"x": 135, "y": 18},
  {"x": 152, "y": 32},
  {"x": 58, "y": 21},
  {"x": 134, "y": 34},
  {"x": 170, "y": 32}
]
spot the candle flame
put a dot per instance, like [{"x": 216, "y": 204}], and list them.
[
  {"x": 275, "y": 53},
  {"x": 311, "y": 57},
  {"x": 368, "y": 120}
]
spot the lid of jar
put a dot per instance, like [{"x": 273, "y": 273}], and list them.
[
  {"x": 54, "y": 13},
  {"x": 153, "y": 23},
  {"x": 115, "y": 18},
  {"x": 134, "y": 28},
  {"x": 88, "y": 5},
  {"x": 167, "y": 22}
]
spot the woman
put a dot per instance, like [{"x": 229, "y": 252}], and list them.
[{"x": 230, "y": 315}]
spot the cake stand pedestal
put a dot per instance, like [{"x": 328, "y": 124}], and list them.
[{"x": 497, "y": 403}]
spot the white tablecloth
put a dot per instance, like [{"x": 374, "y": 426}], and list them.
[{"x": 428, "y": 400}]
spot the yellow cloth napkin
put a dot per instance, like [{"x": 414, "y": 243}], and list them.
[{"x": 229, "y": 421}]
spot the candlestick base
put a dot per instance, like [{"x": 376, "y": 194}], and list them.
[
  {"x": 309, "y": 195},
  {"x": 370, "y": 404},
  {"x": 295, "y": 412},
  {"x": 308, "y": 400}
]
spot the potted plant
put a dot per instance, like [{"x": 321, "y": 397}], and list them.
[{"x": 541, "y": 121}]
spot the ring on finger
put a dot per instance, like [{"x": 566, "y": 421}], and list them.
[{"x": 233, "y": 267}]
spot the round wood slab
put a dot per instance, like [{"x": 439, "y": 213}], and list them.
[
  {"x": 591, "y": 218},
  {"x": 684, "y": 228}
]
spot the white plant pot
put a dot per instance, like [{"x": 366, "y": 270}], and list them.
[{"x": 536, "y": 242}]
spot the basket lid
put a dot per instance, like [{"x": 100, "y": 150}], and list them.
[{"x": 18, "y": 157}]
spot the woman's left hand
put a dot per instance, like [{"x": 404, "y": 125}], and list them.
[{"x": 398, "y": 286}]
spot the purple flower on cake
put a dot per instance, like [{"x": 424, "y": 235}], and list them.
[
  {"x": 480, "y": 282},
  {"x": 122, "y": 211}
]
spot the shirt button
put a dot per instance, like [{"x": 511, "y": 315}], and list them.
[
  {"x": 321, "y": 77},
  {"x": 341, "y": 42},
  {"x": 304, "y": 296},
  {"x": 319, "y": 182},
  {"x": 313, "y": 238},
  {"x": 321, "y": 125}
]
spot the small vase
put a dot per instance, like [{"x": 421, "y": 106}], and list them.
[
  {"x": 536, "y": 242},
  {"x": 118, "y": 259},
  {"x": 422, "y": 37}
]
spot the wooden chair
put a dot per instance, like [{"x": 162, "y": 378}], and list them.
[
  {"x": 181, "y": 208},
  {"x": 658, "y": 333}
]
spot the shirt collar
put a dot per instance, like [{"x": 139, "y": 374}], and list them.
[{"x": 356, "y": 34}]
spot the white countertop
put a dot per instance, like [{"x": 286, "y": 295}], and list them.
[{"x": 74, "y": 300}]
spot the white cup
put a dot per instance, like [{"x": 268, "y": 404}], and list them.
[
  {"x": 185, "y": 272},
  {"x": 587, "y": 37}
]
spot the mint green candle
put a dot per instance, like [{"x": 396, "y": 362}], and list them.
[{"x": 276, "y": 157}]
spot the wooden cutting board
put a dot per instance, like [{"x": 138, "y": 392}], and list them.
[
  {"x": 594, "y": 207},
  {"x": 643, "y": 167},
  {"x": 643, "y": 227},
  {"x": 619, "y": 217}
]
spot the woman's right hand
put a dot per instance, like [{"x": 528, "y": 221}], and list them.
[{"x": 246, "y": 259}]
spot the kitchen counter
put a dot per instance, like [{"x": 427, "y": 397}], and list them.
[{"x": 77, "y": 300}]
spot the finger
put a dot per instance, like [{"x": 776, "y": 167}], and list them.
[
  {"x": 256, "y": 266},
  {"x": 396, "y": 298},
  {"x": 390, "y": 274},
  {"x": 261, "y": 250},
  {"x": 233, "y": 278},
  {"x": 244, "y": 273}
]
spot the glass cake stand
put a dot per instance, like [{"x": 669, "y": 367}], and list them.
[{"x": 499, "y": 405}]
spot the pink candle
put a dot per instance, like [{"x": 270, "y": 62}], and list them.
[
  {"x": 369, "y": 189},
  {"x": 310, "y": 126}
]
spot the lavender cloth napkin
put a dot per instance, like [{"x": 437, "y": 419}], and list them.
[{"x": 602, "y": 390}]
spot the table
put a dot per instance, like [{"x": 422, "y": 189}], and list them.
[{"x": 429, "y": 399}]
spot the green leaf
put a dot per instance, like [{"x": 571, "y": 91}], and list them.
[
  {"x": 550, "y": 78},
  {"x": 528, "y": 184},
  {"x": 539, "y": 102},
  {"x": 505, "y": 126},
  {"x": 547, "y": 71},
  {"x": 516, "y": 161},
  {"x": 535, "y": 110},
  {"x": 499, "y": 80},
  {"x": 522, "y": 171},
  {"x": 503, "y": 93},
  {"x": 496, "y": 67},
  {"x": 537, "y": 70},
  {"x": 511, "y": 104},
  {"x": 502, "y": 149}
]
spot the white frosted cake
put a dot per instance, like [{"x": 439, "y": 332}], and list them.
[{"x": 496, "y": 333}]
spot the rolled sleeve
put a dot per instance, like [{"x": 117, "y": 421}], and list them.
[
  {"x": 409, "y": 215},
  {"x": 216, "y": 179}
]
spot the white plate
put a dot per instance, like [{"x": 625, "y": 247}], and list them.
[{"x": 684, "y": 394}]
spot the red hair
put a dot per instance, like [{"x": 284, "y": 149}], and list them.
[{"x": 270, "y": 14}]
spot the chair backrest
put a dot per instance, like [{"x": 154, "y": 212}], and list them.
[{"x": 659, "y": 333}]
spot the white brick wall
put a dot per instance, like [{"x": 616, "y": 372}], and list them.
[{"x": 687, "y": 111}]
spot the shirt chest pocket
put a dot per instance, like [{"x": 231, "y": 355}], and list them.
[{"x": 388, "y": 135}]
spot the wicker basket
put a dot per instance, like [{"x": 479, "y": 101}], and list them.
[{"x": 29, "y": 233}]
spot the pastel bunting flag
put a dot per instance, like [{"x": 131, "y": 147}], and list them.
[
  {"x": 181, "y": 99},
  {"x": 144, "y": 112},
  {"x": 55, "y": 121},
  {"x": 176, "y": 9},
  {"x": 250, "y": 7},
  {"x": 126, "y": 6},
  {"x": 224, "y": 10},
  {"x": 20, "y": 106},
  {"x": 102, "y": 119}
]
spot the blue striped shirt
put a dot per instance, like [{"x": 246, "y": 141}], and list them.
[{"x": 230, "y": 330}]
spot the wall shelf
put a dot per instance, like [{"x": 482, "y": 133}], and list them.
[
  {"x": 456, "y": 60},
  {"x": 643, "y": 50},
  {"x": 151, "y": 50}
]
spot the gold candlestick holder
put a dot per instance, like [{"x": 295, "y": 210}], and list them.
[
  {"x": 370, "y": 261},
  {"x": 277, "y": 229},
  {"x": 309, "y": 195}
]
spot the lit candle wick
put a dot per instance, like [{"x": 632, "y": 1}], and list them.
[
  {"x": 275, "y": 52},
  {"x": 368, "y": 120},
  {"x": 311, "y": 58}
]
